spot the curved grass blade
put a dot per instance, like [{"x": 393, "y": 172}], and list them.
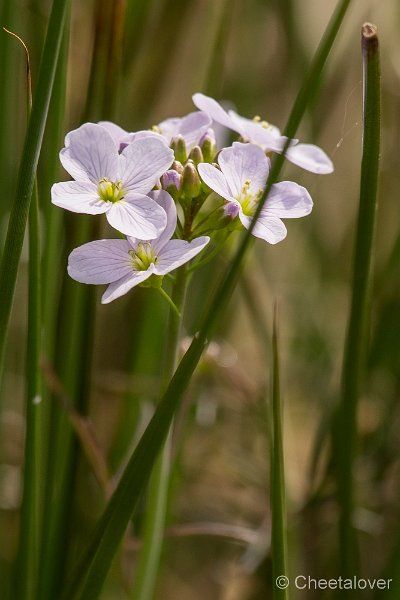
[
  {"x": 345, "y": 435},
  {"x": 278, "y": 502},
  {"x": 27, "y": 564},
  {"x": 89, "y": 576},
  {"x": 8, "y": 18},
  {"x": 28, "y": 166}
]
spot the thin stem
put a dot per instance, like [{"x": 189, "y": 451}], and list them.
[
  {"x": 216, "y": 250},
  {"x": 357, "y": 332},
  {"x": 153, "y": 533},
  {"x": 32, "y": 501},
  {"x": 278, "y": 502},
  {"x": 170, "y": 302}
]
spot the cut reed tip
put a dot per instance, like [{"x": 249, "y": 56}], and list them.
[{"x": 369, "y": 31}]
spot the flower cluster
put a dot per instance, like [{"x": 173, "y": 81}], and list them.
[{"x": 169, "y": 190}]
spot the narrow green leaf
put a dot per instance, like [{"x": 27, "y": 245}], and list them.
[
  {"x": 357, "y": 332},
  {"x": 28, "y": 166},
  {"x": 88, "y": 578},
  {"x": 278, "y": 502},
  {"x": 27, "y": 564}
]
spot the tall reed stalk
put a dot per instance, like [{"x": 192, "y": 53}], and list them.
[{"x": 356, "y": 344}]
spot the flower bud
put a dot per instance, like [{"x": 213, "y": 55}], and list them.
[
  {"x": 177, "y": 166},
  {"x": 196, "y": 155},
  {"x": 178, "y": 145},
  {"x": 171, "y": 182},
  {"x": 191, "y": 184},
  {"x": 223, "y": 216},
  {"x": 230, "y": 211},
  {"x": 208, "y": 146}
]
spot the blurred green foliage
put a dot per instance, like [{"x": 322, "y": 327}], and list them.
[{"x": 254, "y": 54}]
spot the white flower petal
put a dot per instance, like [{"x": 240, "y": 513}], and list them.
[
  {"x": 122, "y": 286},
  {"x": 170, "y": 128},
  {"x": 143, "y": 162},
  {"x": 137, "y": 216},
  {"x": 215, "y": 111},
  {"x": 288, "y": 200},
  {"x": 177, "y": 252},
  {"x": 117, "y": 133},
  {"x": 193, "y": 127},
  {"x": 145, "y": 133},
  {"x": 253, "y": 131},
  {"x": 90, "y": 154},
  {"x": 215, "y": 180},
  {"x": 241, "y": 163},
  {"x": 310, "y": 157},
  {"x": 268, "y": 228},
  {"x": 164, "y": 200},
  {"x": 102, "y": 261},
  {"x": 79, "y": 197}
]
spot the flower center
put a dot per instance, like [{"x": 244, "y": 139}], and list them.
[
  {"x": 143, "y": 256},
  {"x": 264, "y": 124},
  {"x": 110, "y": 191},
  {"x": 248, "y": 200}
]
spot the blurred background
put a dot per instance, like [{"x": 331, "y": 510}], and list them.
[{"x": 137, "y": 62}]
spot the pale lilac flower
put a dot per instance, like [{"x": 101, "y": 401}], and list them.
[
  {"x": 123, "y": 264},
  {"x": 241, "y": 180},
  {"x": 113, "y": 183},
  {"x": 308, "y": 156},
  {"x": 122, "y": 138},
  {"x": 192, "y": 128}
]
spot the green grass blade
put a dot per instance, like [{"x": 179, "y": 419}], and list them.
[
  {"x": 357, "y": 332},
  {"x": 30, "y": 537},
  {"x": 278, "y": 502},
  {"x": 150, "y": 552},
  {"x": 27, "y": 171},
  {"x": 8, "y": 19},
  {"x": 51, "y": 267},
  {"x": 87, "y": 581},
  {"x": 27, "y": 564},
  {"x": 53, "y": 216}
]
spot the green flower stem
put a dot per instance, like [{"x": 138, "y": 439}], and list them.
[
  {"x": 212, "y": 254},
  {"x": 357, "y": 332},
  {"x": 90, "y": 573},
  {"x": 27, "y": 171},
  {"x": 157, "y": 496},
  {"x": 278, "y": 502},
  {"x": 170, "y": 302}
]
